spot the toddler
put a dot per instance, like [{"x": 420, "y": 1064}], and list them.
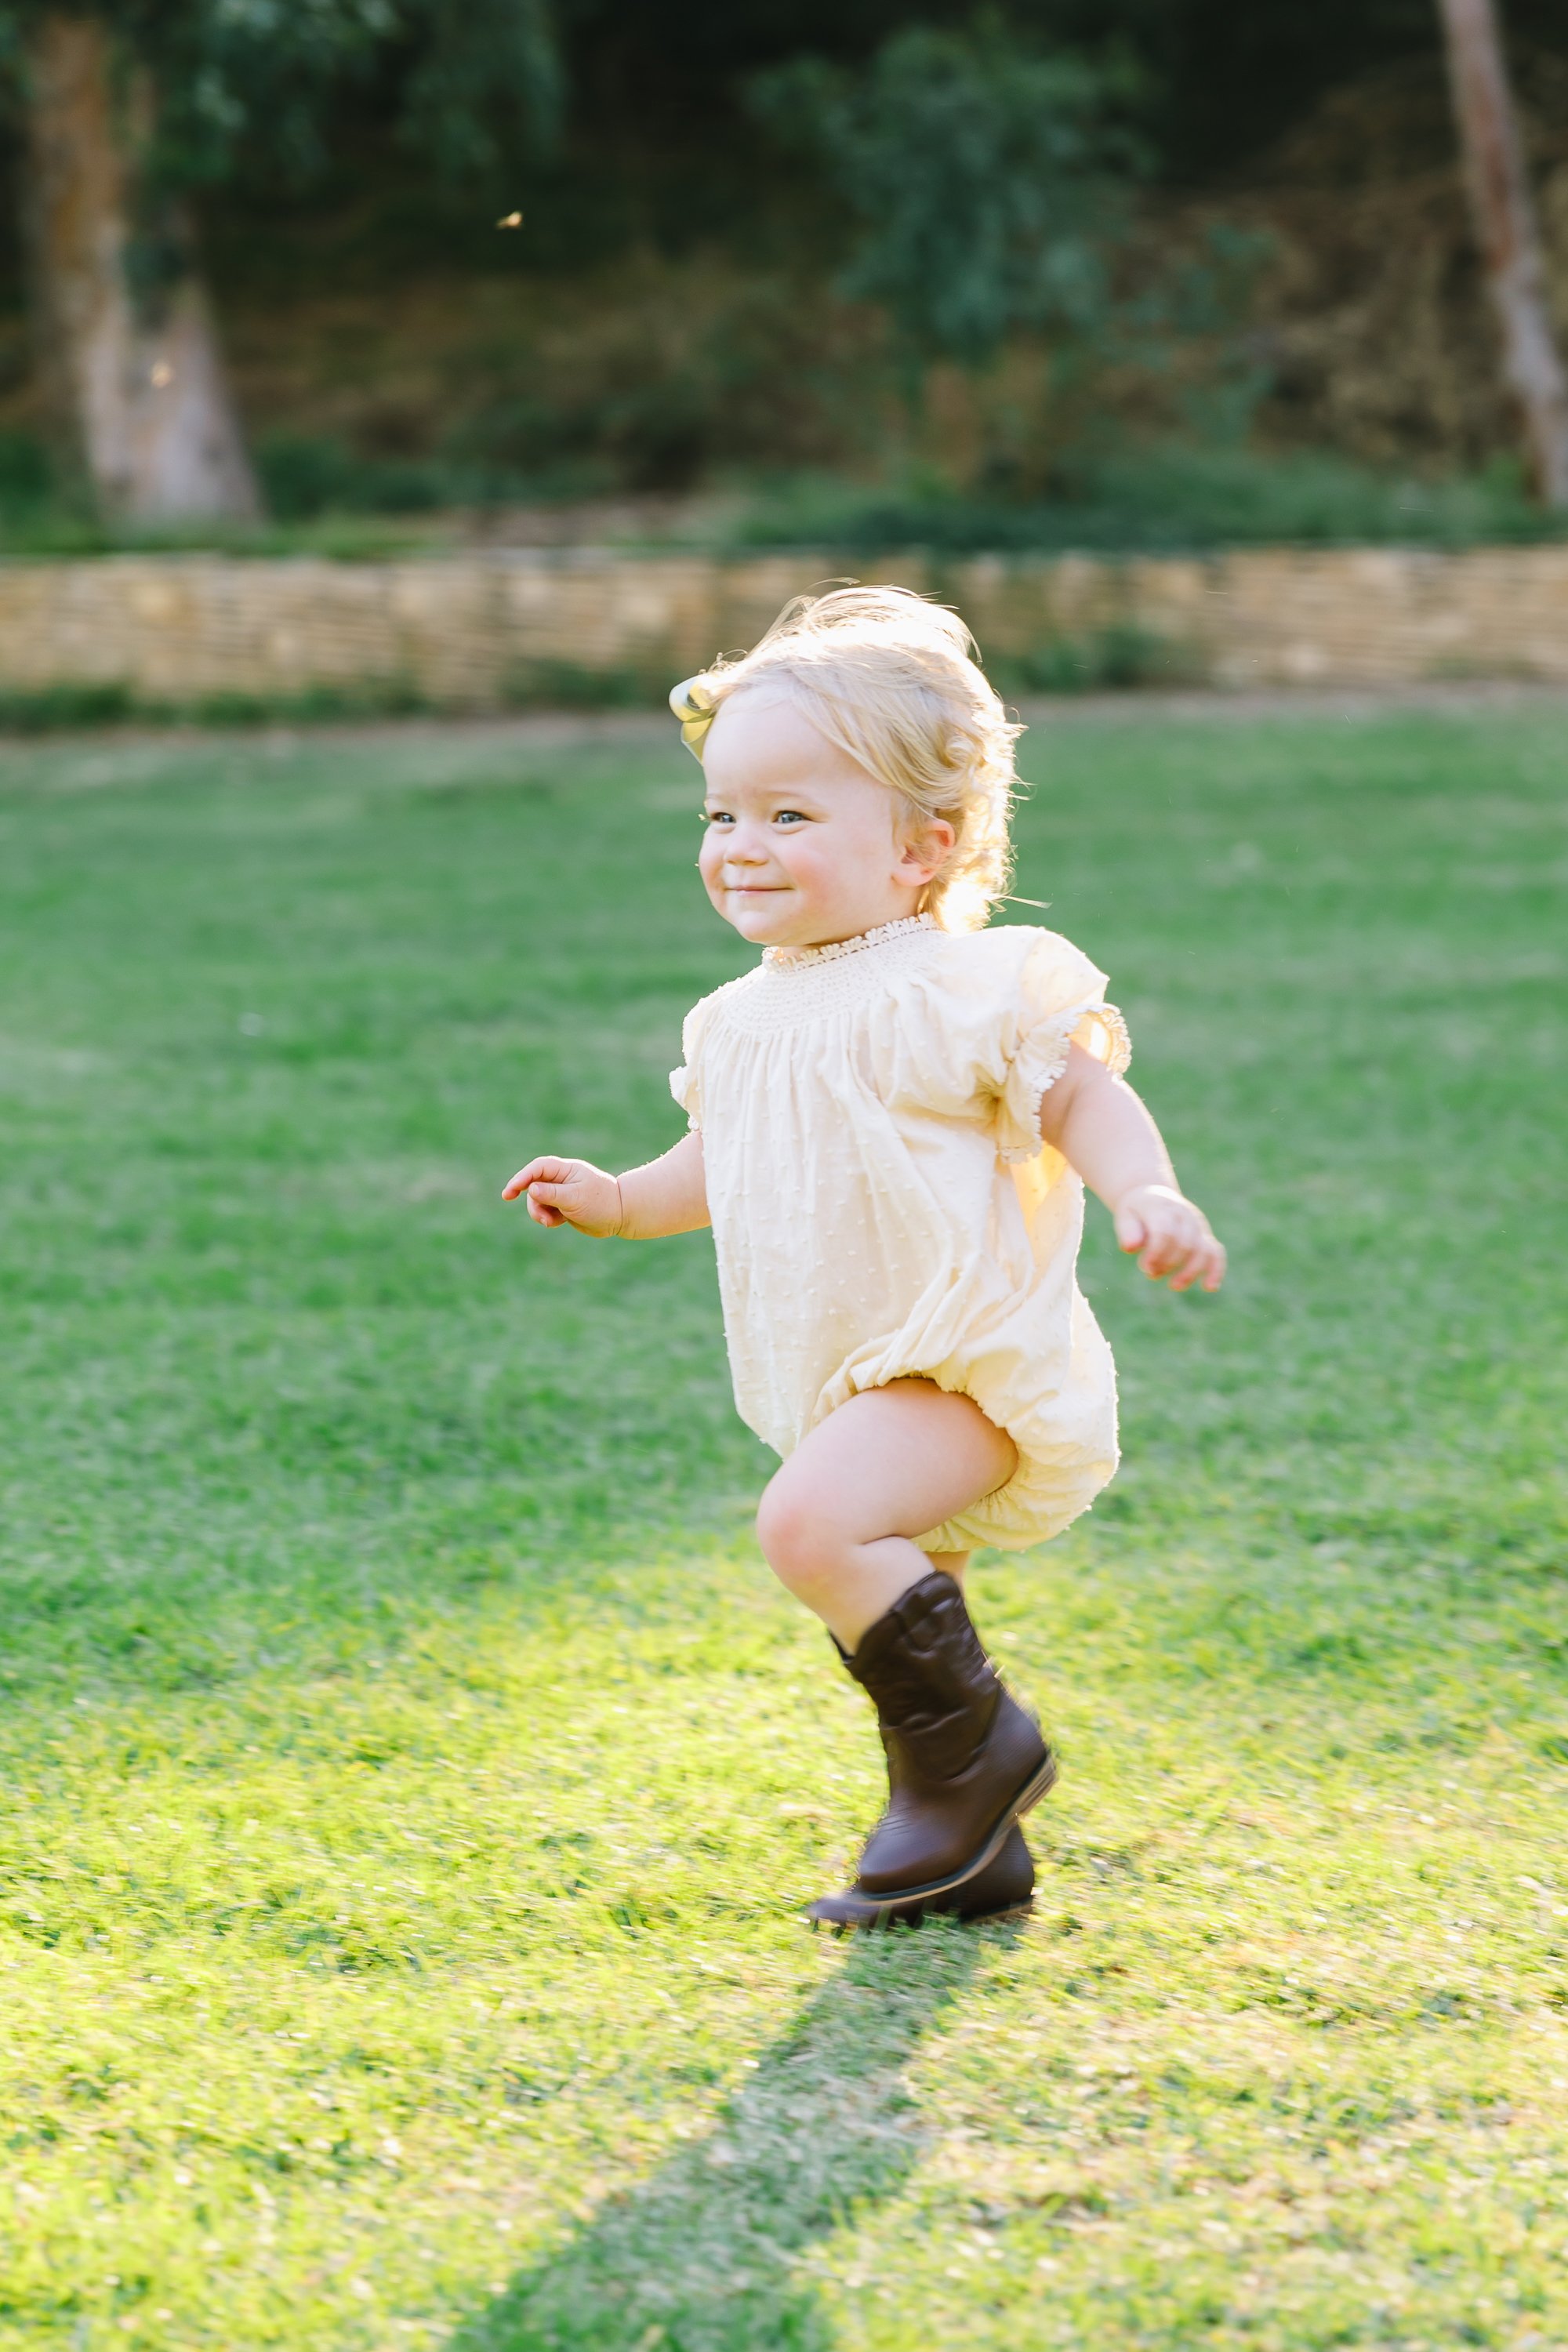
[{"x": 892, "y": 1117}]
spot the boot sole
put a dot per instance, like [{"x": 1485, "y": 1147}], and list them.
[
  {"x": 915, "y": 1915},
  {"x": 885, "y": 1910}
]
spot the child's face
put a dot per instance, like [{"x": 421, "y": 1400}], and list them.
[{"x": 803, "y": 844}]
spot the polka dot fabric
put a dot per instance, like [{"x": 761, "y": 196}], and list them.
[{"x": 883, "y": 1207}]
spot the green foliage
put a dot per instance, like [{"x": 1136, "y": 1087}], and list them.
[
  {"x": 322, "y": 494},
  {"x": 1170, "y": 497},
  {"x": 573, "y": 686},
  {"x": 412, "y": 1775},
  {"x": 476, "y": 82},
  {"x": 486, "y": 84},
  {"x": 690, "y": 372},
  {"x": 305, "y": 475},
  {"x": 72, "y": 707},
  {"x": 988, "y": 178},
  {"x": 993, "y": 184},
  {"x": 1107, "y": 661},
  {"x": 26, "y": 477},
  {"x": 51, "y": 710},
  {"x": 1156, "y": 498}
]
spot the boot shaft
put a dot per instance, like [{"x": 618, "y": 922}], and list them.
[{"x": 935, "y": 1690}]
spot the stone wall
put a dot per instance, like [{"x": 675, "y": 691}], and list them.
[{"x": 480, "y": 630}]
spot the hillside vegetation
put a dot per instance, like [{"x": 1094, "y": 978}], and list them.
[{"x": 664, "y": 329}]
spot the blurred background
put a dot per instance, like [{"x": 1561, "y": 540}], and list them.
[{"x": 370, "y": 274}]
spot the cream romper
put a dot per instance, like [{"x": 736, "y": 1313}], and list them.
[{"x": 883, "y": 1203}]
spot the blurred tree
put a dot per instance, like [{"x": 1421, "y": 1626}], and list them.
[
  {"x": 1509, "y": 237},
  {"x": 988, "y": 177},
  {"x": 131, "y": 106}
]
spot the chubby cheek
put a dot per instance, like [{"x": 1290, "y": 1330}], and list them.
[
  {"x": 711, "y": 858},
  {"x": 799, "y": 855}
]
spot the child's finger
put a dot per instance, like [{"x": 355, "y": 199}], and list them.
[
  {"x": 545, "y": 1195},
  {"x": 1205, "y": 1264},
  {"x": 1185, "y": 1255},
  {"x": 1191, "y": 1258},
  {"x": 1131, "y": 1233},
  {"x": 548, "y": 1171},
  {"x": 522, "y": 1180},
  {"x": 1162, "y": 1255}
]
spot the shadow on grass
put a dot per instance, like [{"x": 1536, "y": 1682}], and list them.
[{"x": 705, "y": 2256}]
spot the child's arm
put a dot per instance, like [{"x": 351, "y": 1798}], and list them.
[
  {"x": 1098, "y": 1125},
  {"x": 667, "y": 1196}
]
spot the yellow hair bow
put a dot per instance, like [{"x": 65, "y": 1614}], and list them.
[{"x": 694, "y": 706}]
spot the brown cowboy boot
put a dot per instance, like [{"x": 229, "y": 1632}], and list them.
[
  {"x": 965, "y": 1762},
  {"x": 1003, "y": 1890}
]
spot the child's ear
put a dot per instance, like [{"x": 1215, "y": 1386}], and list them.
[{"x": 926, "y": 847}]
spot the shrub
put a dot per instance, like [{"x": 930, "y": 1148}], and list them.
[
  {"x": 988, "y": 178},
  {"x": 303, "y": 476}
]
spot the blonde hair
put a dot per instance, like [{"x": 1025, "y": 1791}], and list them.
[{"x": 892, "y": 679}]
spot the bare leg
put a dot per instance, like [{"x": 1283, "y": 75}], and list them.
[{"x": 836, "y": 1521}]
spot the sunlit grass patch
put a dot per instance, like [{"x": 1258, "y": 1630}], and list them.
[{"x": 411, "y": 1780}]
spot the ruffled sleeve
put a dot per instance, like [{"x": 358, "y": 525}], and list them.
[
  {"x": 686, "y": 1084},
  {"x": 1060, "y": 1002}
]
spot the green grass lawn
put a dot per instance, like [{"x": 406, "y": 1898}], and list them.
[{"x": 411, "y": 1778}]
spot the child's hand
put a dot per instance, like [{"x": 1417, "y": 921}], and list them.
[
  {"x": 1171, "y": 1235},
  {"x": 569, "y": 1192}
]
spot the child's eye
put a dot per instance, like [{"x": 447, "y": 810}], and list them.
[
  {"x": 716, "y": 817},
  {"x": 790, "y": 816}
]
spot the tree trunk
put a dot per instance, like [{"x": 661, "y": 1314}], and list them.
[
  {"x": 1509, "y": 237},
  {"x": 132, "y": 372}
]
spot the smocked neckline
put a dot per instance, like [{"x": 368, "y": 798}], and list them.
[{"x": 794, "y": 959}]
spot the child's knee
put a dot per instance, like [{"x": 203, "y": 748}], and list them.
[{"x": 797, "y": 1537}]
